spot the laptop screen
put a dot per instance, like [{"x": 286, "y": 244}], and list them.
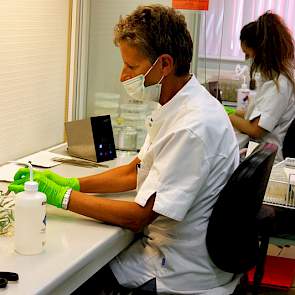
[{"x": 91, "y": 139}]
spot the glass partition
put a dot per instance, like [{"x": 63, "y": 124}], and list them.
[
  {"x": 216, "y": 55},
  {"x": 101, "y": 63}
]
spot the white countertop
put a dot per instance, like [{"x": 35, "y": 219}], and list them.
[
  {"x": 73, "y": 243},
  {"x": 76, "y": 247},
  {"x": 242, "y": 138}
]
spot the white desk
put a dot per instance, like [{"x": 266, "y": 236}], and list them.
[{"x": 76, "y": 248}]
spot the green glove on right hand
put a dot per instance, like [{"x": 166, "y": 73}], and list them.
[
  {"x": 229, "y": 110},
  {"x": 53, "y": 191},
  {"x": 63, "y": 181}
]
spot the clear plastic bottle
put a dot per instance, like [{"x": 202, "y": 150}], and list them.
[
  {"x": 243, "y": 95},
  {"x": 30, "y": 219}
]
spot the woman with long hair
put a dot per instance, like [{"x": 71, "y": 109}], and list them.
[{"x": 269, "y": 44}]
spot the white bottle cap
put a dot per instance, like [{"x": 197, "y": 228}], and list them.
[{"x": 31, "y": 186}]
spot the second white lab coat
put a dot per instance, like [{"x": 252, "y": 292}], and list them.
[{"x": 276, "y": 109}]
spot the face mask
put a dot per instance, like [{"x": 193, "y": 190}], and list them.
[{"x": 136, "y": 89}]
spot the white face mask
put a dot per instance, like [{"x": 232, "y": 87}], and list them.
[{"x": 136, "y": 89}]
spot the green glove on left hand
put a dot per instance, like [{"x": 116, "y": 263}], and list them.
[
  {"x": 229, "y": 110},
  {"x": 69, "y": 182},
  {"x": 17, "y": 186},
  {"x": 54, "y": 192}
]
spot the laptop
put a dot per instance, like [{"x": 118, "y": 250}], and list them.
[{"x": 91, "y": 139}]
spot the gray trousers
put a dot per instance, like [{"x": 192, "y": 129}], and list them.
[{"x": 105, "y": 283}]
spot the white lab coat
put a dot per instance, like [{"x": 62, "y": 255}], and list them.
[
  {"x": 189, "y": 154},
  {"x": 276, "y": 109}
]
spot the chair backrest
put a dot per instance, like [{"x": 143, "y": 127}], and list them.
[
  {"x": 232, "y": 237},
  {"x": 289, "y": 142}
]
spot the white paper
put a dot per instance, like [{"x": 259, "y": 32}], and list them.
[
  {"x": 7, "y": 172},
  {"x": 43, "y": 159}
]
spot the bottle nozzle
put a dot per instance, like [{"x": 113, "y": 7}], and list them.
[
  {"x": 31, "y": 185},
  {"x": 31, "y": 170}
]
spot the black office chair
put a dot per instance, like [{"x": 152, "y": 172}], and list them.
[
  {"x": 233, "y": 240},
  {"x": 289, "y": 142}
]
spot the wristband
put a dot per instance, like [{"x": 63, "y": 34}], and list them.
[{"x": 66, "y": 199}]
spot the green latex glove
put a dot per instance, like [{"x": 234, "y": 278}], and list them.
[
  {"x": 229, "y": 110},
  {"x": 54, "y": 192},
  {"x": 17, "y": 186},
  {"x": 69, "y": 182}
]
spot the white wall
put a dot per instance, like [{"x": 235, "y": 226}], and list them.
[{"x": 33, "y": 58}]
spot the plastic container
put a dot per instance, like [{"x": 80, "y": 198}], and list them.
[
  {"x": 134, "y": 115},
  {"x": 243, "y": 95},
  {"x": 127, "y": 140},
  {"x": 30, "y": 219},
  {"x": 116, "y": 132}
]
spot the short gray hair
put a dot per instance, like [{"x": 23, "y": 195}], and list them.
[{"x": 156, "y": 30}]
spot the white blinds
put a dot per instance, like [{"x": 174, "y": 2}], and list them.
[
  {"x": 33, "y": 56},
  {"x": 226, "y": 18}
]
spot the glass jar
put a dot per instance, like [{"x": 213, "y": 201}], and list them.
[{"x": 127, "y": 139}]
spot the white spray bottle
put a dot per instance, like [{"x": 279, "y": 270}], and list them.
[
  {"x": 243, "y": 95},
  {"x": 30, "y": 219}
]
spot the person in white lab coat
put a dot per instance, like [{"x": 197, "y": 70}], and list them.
[
  {"x": 270, "y": 46},
  {"x": 188, "y": 155}
]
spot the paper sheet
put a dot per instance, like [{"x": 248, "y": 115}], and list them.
[
  {"x": 41, "y": 159},
  {"x": 7, "y": 172}
]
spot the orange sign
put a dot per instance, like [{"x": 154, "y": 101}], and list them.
[{"x": 190, "y": 4}]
